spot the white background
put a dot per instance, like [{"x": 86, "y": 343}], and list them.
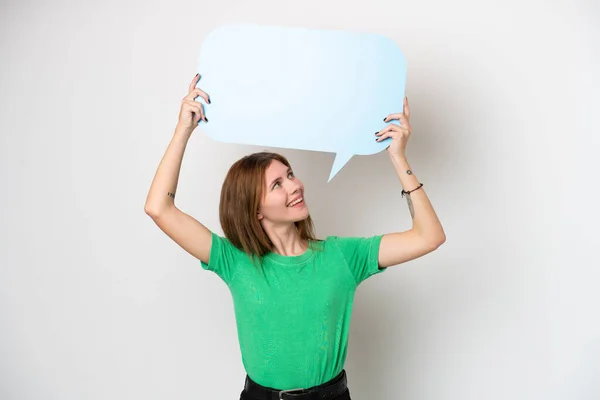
[{"x": 97, "y": 303}]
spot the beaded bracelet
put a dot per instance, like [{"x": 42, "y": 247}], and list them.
[{"x": 410, "y": 191}]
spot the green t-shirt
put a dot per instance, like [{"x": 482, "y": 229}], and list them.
[{"x": 293, "y": 313}]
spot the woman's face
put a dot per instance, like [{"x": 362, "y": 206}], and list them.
[{"x": 281, "y": 194}]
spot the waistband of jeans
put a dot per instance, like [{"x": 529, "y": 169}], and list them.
[{"x": 324, "y": 391}]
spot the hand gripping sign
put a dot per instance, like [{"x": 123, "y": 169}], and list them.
[{"x": 299, "y": 88}]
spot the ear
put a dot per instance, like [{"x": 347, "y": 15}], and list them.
[{"x": 259, "y": 216}]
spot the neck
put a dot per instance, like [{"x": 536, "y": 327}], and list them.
[{"x": 287, "y": 241}]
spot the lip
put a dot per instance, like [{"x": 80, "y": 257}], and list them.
[{"x": 294, "y": 199}]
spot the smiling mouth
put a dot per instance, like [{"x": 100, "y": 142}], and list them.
[{"x": 297, "y": 202}]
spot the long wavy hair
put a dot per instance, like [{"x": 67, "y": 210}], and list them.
[{"x": 241, "y": 194}]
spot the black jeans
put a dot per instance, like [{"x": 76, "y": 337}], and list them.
[{"x": 343, "y": 396}]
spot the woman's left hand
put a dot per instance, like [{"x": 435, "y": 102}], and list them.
[{"x": 398, "y": 133}]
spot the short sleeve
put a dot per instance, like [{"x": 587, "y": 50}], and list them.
[
  {"x": 361, "y": 255},
  {"x": 223, "y": 258}
]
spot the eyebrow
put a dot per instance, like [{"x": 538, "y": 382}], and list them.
[{"x": 276, "y": 179}]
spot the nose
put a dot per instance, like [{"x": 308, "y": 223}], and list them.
[{"x": 296, "y": 187}]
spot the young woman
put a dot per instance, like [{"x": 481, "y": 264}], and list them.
[{"x": 292, "y": 293}]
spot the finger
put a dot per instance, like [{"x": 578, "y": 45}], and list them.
[
  {"x": 405, "y": 127},
  {"x": 384, "y": 136},
  {"x": 198, "y": 92},
  {"x": 398, "y": 116},
  {"x": 391, "y": 117},
  {"x": 195, "y": 111},
  {"x": 403, "y": 118},
  {"x": 194, "y": 82},
  {"x": 390, "y": 127},
  {"x": 196, "y": 108},
  {"x": 393, "y": 133},
  {"x": 200, "y": 112},
  {"x": 404, "y": 124}
]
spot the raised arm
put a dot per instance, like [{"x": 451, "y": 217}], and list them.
[
  {"x": 427, "y": 233},
  {"x": 187, "y": 232}
]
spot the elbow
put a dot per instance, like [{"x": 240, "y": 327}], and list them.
[
  {"x": 153, "y": 212},
  {"x": 149, "y": 211},
  {"x": 439, "y": 239},
  {"x": 436, "y": 241}
]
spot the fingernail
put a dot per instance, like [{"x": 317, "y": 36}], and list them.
[
  {"x": 197, "y": 75},
  {"x": 376, "y": 133},
  {"x": 384, "y": 119},
  {"x": 206, "y": 119},
  {"x": 209, "y": 100}
]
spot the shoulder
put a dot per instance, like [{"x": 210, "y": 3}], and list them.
[
  {"x": 224, "y": 251},
  {"x": 351, "y": 240},
  {"x": 352, "y": 244},
  {"x": 359, "y": 253},
  {"x": 224, "y": 242}
]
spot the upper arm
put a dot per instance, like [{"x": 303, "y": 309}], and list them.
[
  {"x": 186, "y": 231},
  {"x": 397, "y": 248}
]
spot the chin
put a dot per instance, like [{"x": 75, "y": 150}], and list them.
[{"x": 302, "y": 218}]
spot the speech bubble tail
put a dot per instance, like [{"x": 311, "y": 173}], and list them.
[{"x": 340, "y": 160}]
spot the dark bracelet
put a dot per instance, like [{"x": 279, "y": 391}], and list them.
[{"x": 410, "y": 191}]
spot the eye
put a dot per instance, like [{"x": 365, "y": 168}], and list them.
[
  {"x": 275, "y": 185},
  {"x": 291, "y": 173}
]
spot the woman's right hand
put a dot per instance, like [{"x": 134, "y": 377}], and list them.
[{"x": 192, "y": 111}]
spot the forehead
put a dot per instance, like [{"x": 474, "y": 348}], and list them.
[{"x": 275, "y": 169}]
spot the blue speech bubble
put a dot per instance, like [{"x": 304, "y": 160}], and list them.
[{"x": 300, "y": 88}]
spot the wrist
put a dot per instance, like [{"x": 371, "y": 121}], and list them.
[
  {"x": 399, "y": 159},
  {"x": 182, "y": 133}
]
